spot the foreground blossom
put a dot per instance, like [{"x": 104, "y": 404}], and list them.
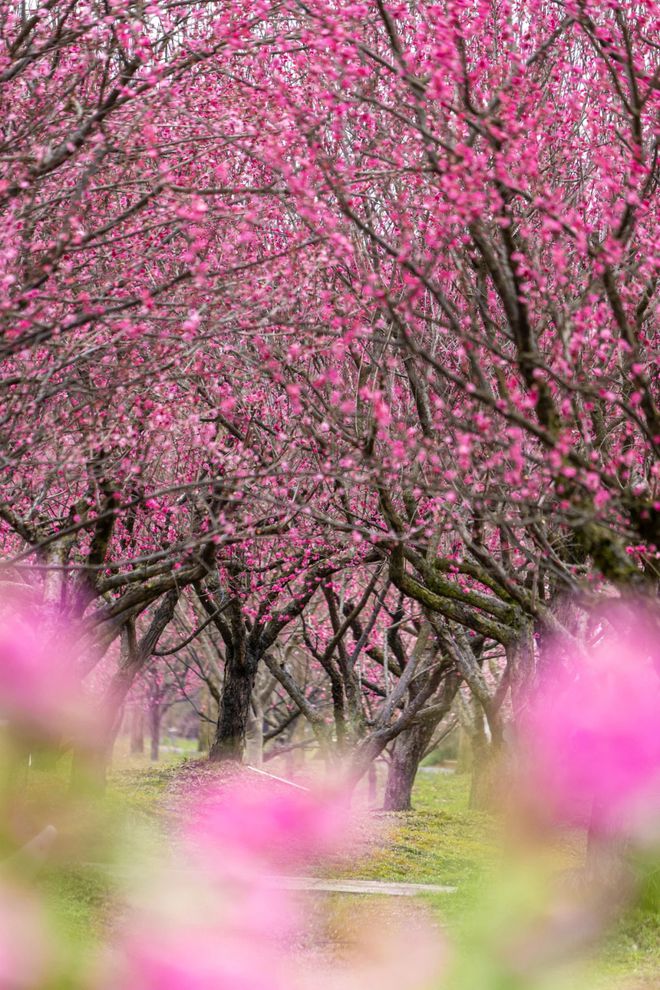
[
  {"x": 39, "y": 685},
  {"x": 269, "y": 825},
  {"x": 190, "y": 957},
  {"x": 591, "y": 732},
  {"x": 25, "y": 948},
  {"x": 222, "y": 917}
]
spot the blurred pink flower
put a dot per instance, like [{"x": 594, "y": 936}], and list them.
[
  {"x": 223, "y": 922},
  {"x": 39, "y": 686},
  {"x": 24, "y": 943},
  {"x": 591, "y": 734},
  {"x": 198, "y": 958},
  {"x": 219, "y": 918},
  {"x": 268, "y": 825}
]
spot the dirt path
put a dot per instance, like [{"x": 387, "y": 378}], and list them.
[{"x": 349, "y": 886}]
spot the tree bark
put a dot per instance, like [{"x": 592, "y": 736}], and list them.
[
  {"x": 487, "y": 785},
  {"x": 409, "y": 750},
  {"x": 91, "y": 767},
  {"x": 154, "y": 730},
  {"x": 255, "y": 733},
  {"x": 207, "y": 720},
  {"x": 231, "y": 730},
  {"x": 137, "y": 730}
]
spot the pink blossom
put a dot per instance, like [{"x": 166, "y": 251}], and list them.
[
  {"x": 591, "y": 732},
  {"x": 24, "y": 946},
  {"x": 39, "y": 687},
  {"x": 230, "y": 924},
  {"x": 198, "y": 958},
  {"x": 227, "y": 920},
  {"x": 268, "y": 825}
]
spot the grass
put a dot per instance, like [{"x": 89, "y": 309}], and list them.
[
  {"x": 441, "y": 841},
  {"x": 632, "y": 955},
  {"x": 79, "y": 902}
]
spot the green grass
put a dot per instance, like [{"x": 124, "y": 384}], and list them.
[
  {"x": 140, "y": 788},
  {"x": 441, "y": 841},
  {"x": 632, "y": 954},
  {"x": 79, "y": 902}
]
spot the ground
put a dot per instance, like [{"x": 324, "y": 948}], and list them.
[{"x": 441, "y": 841}]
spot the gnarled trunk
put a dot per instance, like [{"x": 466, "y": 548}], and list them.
[
  {"x": 255, "y": 733},
  {"x": 488, "y": 784},
  {"x": 154, "y": 730},
  {"x": 91, "y": 766},
  {"x": 231, "y": 730},
  {"x": 408, "y": 752},
  {"x": 137, "y": 730}
]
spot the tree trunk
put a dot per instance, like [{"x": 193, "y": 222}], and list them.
[
  {"x": 207, "y": 720},
  {"x": 93, "y": 766},
  {"x": 154, "y": 730},
  {"x": 608, "y": 865},
  {"x": 372, "y": 784},
  {"x": 137, "y": 730},
  {"x": 231, "y": 730},
  {"x": 205, "y": 737},
  {"x": 487, "y": 786},
  {"x": 409, "y": 750},
  {"x": 255, "y": 734},
  {"x": 464, "y": 755}
]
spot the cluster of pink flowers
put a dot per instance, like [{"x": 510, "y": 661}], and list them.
[
  {"x": 40, "y": 677},
  {"x": 221, "y": 911},
  {"x": 591, "y": 733},
  {"x": 233, "y": 919},
  {"x": 267, "y": 826},
  {"x": 25, "y": 946}
]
